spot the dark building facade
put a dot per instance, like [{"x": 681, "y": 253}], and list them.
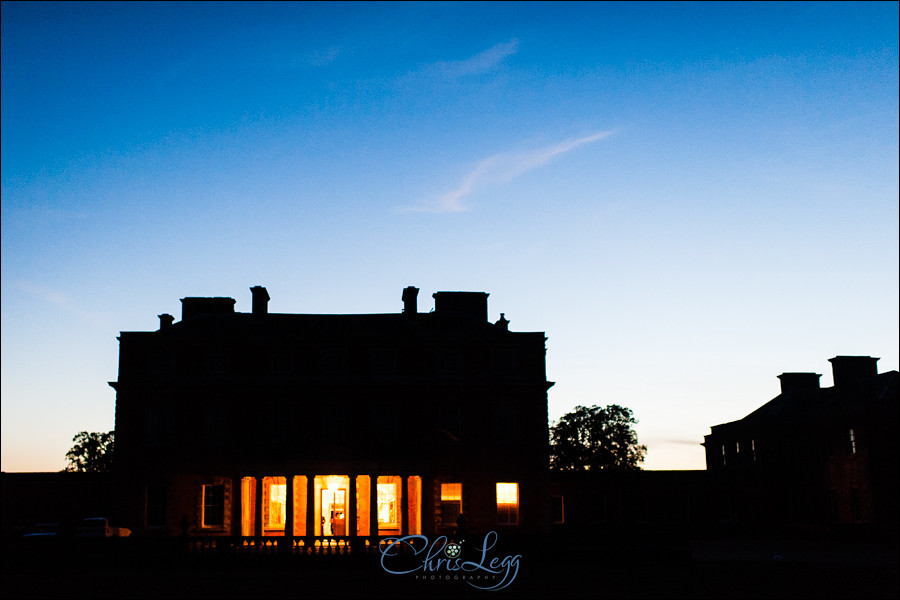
[
  {"x": 814, "y": 458},
  {"x": 332, "y": 426}
]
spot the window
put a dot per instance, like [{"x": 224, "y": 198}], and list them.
[
  {"x": 386, "y": 422},
  {"x": 282, "y": 363},
  {"x": 451, "y": 502},
  {"x": 387, "y": 504},
  {"x": 156, "y": 506},
  {"x": 724, "y": 462},
  {"x": 331, "y": 361},
  {"x": 332, "y": 418},
  {"x": 508, "y": 503},
  {"x": 753, "y": 449},
  {"x": 505, "y": 424},
  {"x": 384, "y": 361},
  {"x": 504, "y": 361},
  {"x": 276, "y": 429},
  {"x": 851, "y": 442},
  {"x": 450, "y": 423},
  {"x": 215, "y": 425},
  {"x": 448, "y": 362},
  {"x": 213, "y": 505},
  {"x": 855, "y": 504},
  {"x": 835, "y": 514},
  {"x": 158, "y": 425},
  {"x": 163, "y": 362},
  {"x": 275, "y": 499},
  {"x": 557, "y": 509},
  {"x": 217, "y": 362}
]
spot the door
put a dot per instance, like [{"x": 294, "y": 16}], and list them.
[{"x": 334, "y": 512}]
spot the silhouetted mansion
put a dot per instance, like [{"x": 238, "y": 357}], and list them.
[
  {"x": 344, "y": 427},
  {"x": 266, "y": 424}
]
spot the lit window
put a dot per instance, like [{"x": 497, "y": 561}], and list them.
[
  {"x": 274, "y": 500},
  {"x": 737, "y": 447},
  {"x": 851, "y": 442},
  {"x": 723, "y": 455},
  {"x": 213, "y": 505},
  {"x": 451, "y": 502},
  {"x": 753, "y": 449},
  {"x": 277, "y": 504},
  {"x": 508, "y": 503},
  {"x": 387, "y": 504}
]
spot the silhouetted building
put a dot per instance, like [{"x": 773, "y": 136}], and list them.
[
  {"x": 814, "y": 458},
  {"x": 262, "y": 424}
]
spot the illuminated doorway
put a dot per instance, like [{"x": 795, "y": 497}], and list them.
[
  {"x": 388, "y": 509},
  {"x": 274, "y": 504},
  {"x": 332, "y": 507}
]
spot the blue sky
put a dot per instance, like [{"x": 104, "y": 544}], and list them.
[{"x": 689, "y": 199}]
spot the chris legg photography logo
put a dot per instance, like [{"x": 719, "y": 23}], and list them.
[{"x": 449, "y": 560}]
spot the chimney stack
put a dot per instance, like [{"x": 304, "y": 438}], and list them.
[
  {"x": 473, "y": 304},
  {"x": 410, "y": 300},
  {"x": 260, "y": 300},
  {"x": 851, "y": 371},
  {"x": 165, "y": 320},
  {"x": 799, "y": 381},
  {"x": 193, "y": 307}
]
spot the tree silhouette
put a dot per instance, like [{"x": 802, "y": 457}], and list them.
[
  {"x": 92, "y": 452},
  {"x": 590, "y": 439}
]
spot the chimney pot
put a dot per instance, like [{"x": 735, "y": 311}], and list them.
[
  {"x": 260, "y": 300},
  {"x": 192, "y": 307},
  {"x": 410, "y": 300},
  {"x": 850, "y": 371},
  {"x": 165, "y": 320},
  {"x": 473, "y": 304},
  {"x": 799, "y": 381}
]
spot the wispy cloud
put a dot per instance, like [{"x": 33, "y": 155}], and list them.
[
  {"x": 480, "y": 63},
  {"x": 57, "y": 299},
  {"x": 502, "y": 168}
]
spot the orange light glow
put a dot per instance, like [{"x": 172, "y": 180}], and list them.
[
  {"x": 451, "y": 492},
  {"x": 507, "y": 493},
  {"x": 277, "y": 504},
  {"x": 508, "y": 503},
  {"x": 387, "y": 504}
]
